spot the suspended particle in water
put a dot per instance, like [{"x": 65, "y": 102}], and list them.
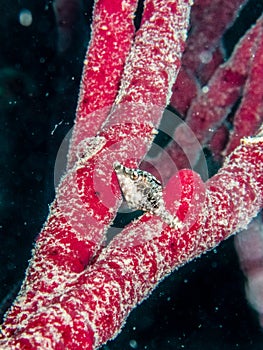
[
  {"x": 133, "y": 344},
  {"x": 25, "y": 17}
]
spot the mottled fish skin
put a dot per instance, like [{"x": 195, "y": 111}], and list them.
[{"x": 140, "y": 189}]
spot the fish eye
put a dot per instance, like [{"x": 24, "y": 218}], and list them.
[{"x": 117, "y": 166}]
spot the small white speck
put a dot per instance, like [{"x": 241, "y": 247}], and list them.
[
  {"x": 133, "y": 344},
  {"x": 205, "y": 57},
  {"x": 205, "y": 89},
  {"x": 25, "y": 17},
  {"x": 55, "y": 127}
]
